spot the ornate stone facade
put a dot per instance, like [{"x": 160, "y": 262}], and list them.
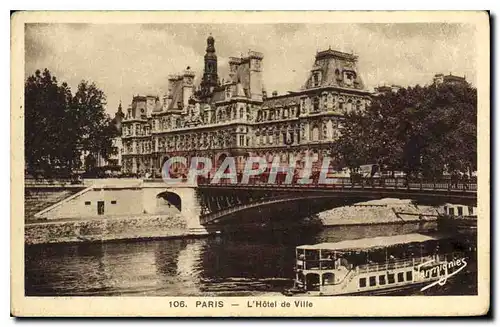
[{"x": 234, "y": 117}]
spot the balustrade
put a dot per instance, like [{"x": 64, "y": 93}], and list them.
[{"x": 345, "y": 183}]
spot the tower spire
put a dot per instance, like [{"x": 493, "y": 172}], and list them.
[{"x": 210, "y": 78}]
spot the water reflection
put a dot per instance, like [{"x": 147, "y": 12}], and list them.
[{"x": 233, "y": 264}]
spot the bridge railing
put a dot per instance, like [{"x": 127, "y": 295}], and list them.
[{"x": 358, "y": 183}]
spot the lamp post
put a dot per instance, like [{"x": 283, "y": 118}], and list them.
[{"x": 288, "y": 143}]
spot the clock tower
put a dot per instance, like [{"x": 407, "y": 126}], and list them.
[{"x": 210, "y": 79}]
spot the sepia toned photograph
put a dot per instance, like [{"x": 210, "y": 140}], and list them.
[{"x": 255, "y": 165}]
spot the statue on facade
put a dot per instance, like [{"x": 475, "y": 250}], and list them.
[{"x": 329, "y": 101}]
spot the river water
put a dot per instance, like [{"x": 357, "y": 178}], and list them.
[{"x": 256, "y": 263}]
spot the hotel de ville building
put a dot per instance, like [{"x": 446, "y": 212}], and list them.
[{"x": 238, "y": 118}]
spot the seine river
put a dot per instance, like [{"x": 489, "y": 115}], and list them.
[{"x": 224, "y": 265}]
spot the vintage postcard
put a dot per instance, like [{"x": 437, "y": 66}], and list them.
[{"x": 260, "y": 164}]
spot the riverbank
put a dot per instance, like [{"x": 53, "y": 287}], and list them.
[
  {"x": 139, "y": 227},
  {"x": 105, "y": 229},
  {"x": 384, "y": 211}
]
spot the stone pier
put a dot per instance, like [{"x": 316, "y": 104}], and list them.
[{"x": 123, "y": 209}]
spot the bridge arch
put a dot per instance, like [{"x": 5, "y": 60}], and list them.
[
  {"x": 168, "y": 202},
  {"x": 295, "y": 202}
]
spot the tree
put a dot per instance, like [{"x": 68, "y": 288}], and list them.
[
  {"x": 419, "y": 130},
  {"x": 46, "y": 110},
  {"x": 92, "y": 125},
  {"x": 59, "y": 127}
]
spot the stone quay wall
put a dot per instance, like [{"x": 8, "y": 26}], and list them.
[
  {"x": 386, "y": 211},
  {"x": 105, "y": 229}
]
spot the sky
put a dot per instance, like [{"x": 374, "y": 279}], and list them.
[{"x": 130, "y": 59}]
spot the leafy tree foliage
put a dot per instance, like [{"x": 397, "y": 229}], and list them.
[
  {"x": 419, "y": 130},
  {"x": 60, "y": 126}
]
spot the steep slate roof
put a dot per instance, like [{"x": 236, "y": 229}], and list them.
[
  {"x": 176, "y": 95},
  {"x": 330, "y": 61}
]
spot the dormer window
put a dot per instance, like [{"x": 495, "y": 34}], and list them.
[
  {"x": 316, "y": 79},
  {"x": 349, "y": 77}
]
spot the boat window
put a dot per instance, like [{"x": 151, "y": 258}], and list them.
[
  {"x": 452, "y": 211},
  {"x": 401, "y": 277},
  {"x": 328, "y": 278},
  {"x": 390, "y": 278},
  {"x": 362, "y": 282},
  {"x": 460, "y": 211},
  {"x": 471, "y": 211},
  {"x": 373, "y": 281},
  {"x": 434, "y": 272},
  {"x": 312, "y": 255},
  {"x": 312, "y": 282},
  {"x": 327, "y": 254},
  {"x": 381, "y": 279},
  {"x": 409, "y": 275},
  {"x": 312, "y": 259},
  {"x": 327, "y": 264}
]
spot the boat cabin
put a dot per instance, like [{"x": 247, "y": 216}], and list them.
[{"x": 334, "y": 265}]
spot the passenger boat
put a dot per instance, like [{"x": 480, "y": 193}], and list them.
[{"x": 379, "y": 265}]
